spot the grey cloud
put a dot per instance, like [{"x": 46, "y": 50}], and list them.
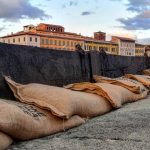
[
  {"x": 19, "y": 9},
  {"x": 85, "y": 13},
  {"x": 71, "y": 3},
  {"x": 138, "y": 5},
  {"x": 141, "y": 21}
]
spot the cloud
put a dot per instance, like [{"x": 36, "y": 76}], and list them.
[
  {"x": 69, "y": 4},
  {"x": 115, "y": 0},
  {"x": 73, "y": 3},
  {"x": 138, "y": 5},
  {"x": 135, "y": 23},
  {"x": 85, "y": 13},
  {"x": 19, "y": 9},
  {"x": 2, "y": 28},
  {"x": 141, "y": 21},
  {"x": 64, "y": 6}
]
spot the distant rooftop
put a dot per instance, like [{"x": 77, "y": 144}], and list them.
[{"x": 124, "y": 38}]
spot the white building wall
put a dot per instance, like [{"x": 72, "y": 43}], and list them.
[
  {"x": 15, "y": 40},
  {"x": 23, "y": 40},
  {"x": 119, "y": 47},
  {"x": 127, "y": 48},
  {"x": 33, "y": 40}
]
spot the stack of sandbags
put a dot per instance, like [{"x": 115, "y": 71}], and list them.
[
  {"x": 62, "y": 102},
  {"x": 144, "y": 79},
  {"x": 147, "y": 72},
  {"x": 5, "y": 141},
  {"x": 116, "y": 95},
  {"x": 24, "y": 122},
  {"x": 130, "y": 84},
  {"x": 43, "y": 110}
]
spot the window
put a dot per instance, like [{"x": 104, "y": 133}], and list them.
[
  {"x": 63, "y": 43},
  {"x": 42, "y": 41},
  {"x": 67, "y": 43},
  {"x": 55, "y": 42},
  {"x": 106, "y": 49},
  {"x": 30, "y": 39},
  {"x": 90, "y": 47},
  {"x": 46, "y": 41},
  {"x": 13, "y": 40},
  {"x": 94, "y": 47},
  {"x": 24, "y": 39},
  {"x": 59, "y": 43},
  {"x": 51, "y": 42},
  {"x": 113, "y": 49},
  {"x": 18, "y": 39},
  {"x": 35, "y": 39}
]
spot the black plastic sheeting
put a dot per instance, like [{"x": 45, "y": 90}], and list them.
[
  {"x": 115, "y": 66},
  {"x": 26, "y": 64}
]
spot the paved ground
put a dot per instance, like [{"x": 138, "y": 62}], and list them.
[{"x": 127, "y": 128}]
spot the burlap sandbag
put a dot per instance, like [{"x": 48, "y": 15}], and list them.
[
  {"x": 61, "y": 102},
  {"x": 23, "y": 122},
  {"x": 147, "y": 72},
  {"x": 144, "y": 79},
  {"x": 116, "y": 95},
  {"x": 130, "y": 84},
  {"x": 5, "y": 141}
]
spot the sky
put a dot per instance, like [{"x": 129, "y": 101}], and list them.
[{"x": 129, "y": 18}]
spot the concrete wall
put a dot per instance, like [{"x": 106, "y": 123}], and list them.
[{"x": 27, "y": 64}]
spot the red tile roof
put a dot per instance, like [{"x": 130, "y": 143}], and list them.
[{"x": 124, "y": 38}]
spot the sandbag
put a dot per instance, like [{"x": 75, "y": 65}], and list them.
[
  {"x": 23, "y": 122},
  {"x": 61, "y": 102},
  {"x": 116, "y": 95},
  {"x": 144, "y": 79},
  {"x": 130, "y": 84},
  {"x": 5, "y": 141},
  {"x": 147, "y": 72}
]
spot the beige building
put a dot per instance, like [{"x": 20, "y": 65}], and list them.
[
  {"x": 126, "y": 46},
  {"x": 22, "y": 38},
  {"x": 139, "y": 49}
]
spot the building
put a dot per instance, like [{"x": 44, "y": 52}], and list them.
[
  {"x": 100, "y": 36},
  {"x": 55, "y": 37},
  {"x": 147, "y": 51},
  {"x": 25, "y": 37},
  {"x": 45, "y": 36},
  {"x": 109, "y": 47},
  {"x": 139, "y": 49},
  {"x": 126, "y": 46}
]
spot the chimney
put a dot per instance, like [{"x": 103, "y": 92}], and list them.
[{"x": 101, "y": 36}]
